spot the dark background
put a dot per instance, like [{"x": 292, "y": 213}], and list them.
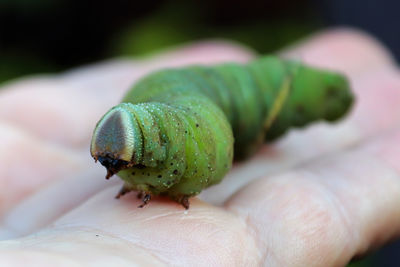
[
  {"x": 39, "y": 36},
  {"x": 53, "y": 35}
]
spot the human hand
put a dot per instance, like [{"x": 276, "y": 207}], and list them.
[{"x": 317, "y": 197}]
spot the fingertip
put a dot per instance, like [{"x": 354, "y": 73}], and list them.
[
  {"x": 203, "y": 52},
  {"x": 345, "y": 49}
]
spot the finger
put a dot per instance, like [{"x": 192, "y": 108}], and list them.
[
  {"x": 82, "y": 250},
  {"x": 28, "y": 163},
  {"x": 331, "y": 210},
  {"x": 65, "y": 108},
  {"x": 42, "y": 207},
  {"x": 342, "y": 49},
  {"x": 203, "y": 235}
]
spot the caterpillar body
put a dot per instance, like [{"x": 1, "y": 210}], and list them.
[{"x": 177, "y": 130}]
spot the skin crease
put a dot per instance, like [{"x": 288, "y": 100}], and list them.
[{"x": 317, "y": 197}]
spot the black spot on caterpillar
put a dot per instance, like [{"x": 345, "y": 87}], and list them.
[{"x": 181, "y": 127}]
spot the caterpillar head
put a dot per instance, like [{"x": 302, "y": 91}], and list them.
[{"x": 114, "y": 142}]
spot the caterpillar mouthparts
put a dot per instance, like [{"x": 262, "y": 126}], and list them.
[
  {"x": 112, "y": 165},
  {"x": 174, "y": 132}
]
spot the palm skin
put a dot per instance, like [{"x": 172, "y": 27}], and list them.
[{"x": 317, "y": 197}]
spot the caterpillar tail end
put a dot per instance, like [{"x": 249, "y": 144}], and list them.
[{"x": 338, "y": 98}]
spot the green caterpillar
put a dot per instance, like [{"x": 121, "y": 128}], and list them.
[{"x": 176, "y": 131}]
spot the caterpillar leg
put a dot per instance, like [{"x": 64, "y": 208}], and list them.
[
  {"x": 146, "y": 198},
  {"x": 184, "y": 201},
  {"x": 124, "y": 190}
]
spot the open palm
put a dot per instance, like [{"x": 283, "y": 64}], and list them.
[{"x": 317, "y": 197}]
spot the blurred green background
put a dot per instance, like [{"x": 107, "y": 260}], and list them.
[{"x": 42, "y": 36}]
